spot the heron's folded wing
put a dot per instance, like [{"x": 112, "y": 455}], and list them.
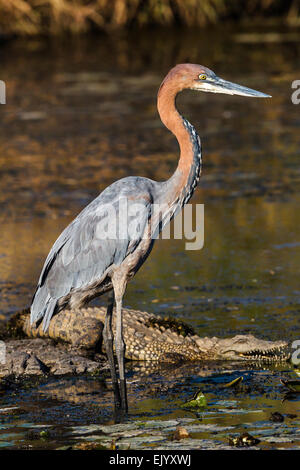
[{"x": 102, "y": 235}]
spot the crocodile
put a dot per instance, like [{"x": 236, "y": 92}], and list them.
[{"x": 152, "y": 338}]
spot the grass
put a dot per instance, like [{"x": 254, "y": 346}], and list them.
[{"x": 32, "y": 17}]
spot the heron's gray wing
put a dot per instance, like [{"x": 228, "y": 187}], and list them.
[{"x": 100, "y": 236}]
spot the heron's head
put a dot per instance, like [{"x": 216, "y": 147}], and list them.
[{"x": 200, "y": 78}]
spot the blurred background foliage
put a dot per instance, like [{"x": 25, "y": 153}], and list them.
[{"x": 31, "y": 17}]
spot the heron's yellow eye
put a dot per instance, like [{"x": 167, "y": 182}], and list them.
[{"x": 202, "y": 76}]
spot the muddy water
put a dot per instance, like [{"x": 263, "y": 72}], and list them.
[{"x": 81, "y": 114}]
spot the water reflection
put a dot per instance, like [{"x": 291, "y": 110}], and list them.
[{"x": 81, "y": 114}]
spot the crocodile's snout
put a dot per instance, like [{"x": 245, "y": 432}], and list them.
[{"x": 249, "y": 347}]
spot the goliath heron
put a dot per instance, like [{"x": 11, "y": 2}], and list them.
[{"x": 83, "y": 264}]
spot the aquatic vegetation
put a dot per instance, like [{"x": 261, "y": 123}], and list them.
[
  {"x": 197, "y": 402},
  {"x": 234, "y": 383},
  {"x": 292, "y": 385}
]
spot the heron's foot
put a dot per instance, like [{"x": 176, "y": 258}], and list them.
[
  {"x": 120, "y": 396},
  {"x": 123, "y": 390},
  {"x": 117, "y": 395}
]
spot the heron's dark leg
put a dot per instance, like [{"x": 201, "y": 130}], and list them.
[
  {"x": 119, "y": 288},
  {"x": 120, "y": 351},
  {"x": 108, "y": 339}
]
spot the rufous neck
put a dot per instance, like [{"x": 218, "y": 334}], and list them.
[{"x": 166, "y": 105}]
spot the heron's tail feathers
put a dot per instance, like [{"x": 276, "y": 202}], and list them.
[
  {"x": 43, "y": 307},
  {"x": 49, "y": 310}
]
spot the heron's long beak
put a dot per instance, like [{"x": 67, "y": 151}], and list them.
[{"x": 218, "y": 85}]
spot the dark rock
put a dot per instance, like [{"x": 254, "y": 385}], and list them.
[
  {"x": 180, "y": 433},
  {"x": 243, "y": 440},
  {"x": 276, "y": 417},
  {"x": 43, "y": 356},
  {"x": 291, "y": 416}
]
